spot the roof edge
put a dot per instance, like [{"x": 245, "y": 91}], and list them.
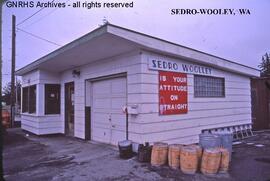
[
  {"x": 96, "y": 32},
  {"x": 166, "y": 41},
  {"x": 106, "y": 29}
]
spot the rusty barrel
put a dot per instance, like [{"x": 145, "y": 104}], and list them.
[
  {"x": 198, "y": 149},
  {"x": 174, "y": 155},
  {"x": 5, "y": 119},
  {"x": 199, "y": 153},
  {"x": 225, "y": 160},
  {"x": 188, "y": 160},
  {"x": 210, "y": 161},
  {"x": 159, "y": 154}
]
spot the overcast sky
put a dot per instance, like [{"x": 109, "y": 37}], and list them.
[{"x": 243, "y": 39}]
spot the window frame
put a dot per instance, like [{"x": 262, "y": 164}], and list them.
[
  {"x": 213, "y": 77},
  {"x": 46, "y": 93},
  {"x": 25, "y": 100},
  {"x": 30, "y": 105},
  {"x": 32, "y": 99}
]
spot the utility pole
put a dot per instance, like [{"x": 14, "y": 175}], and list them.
[
  {"x": 16, "y": 90},
  {"x": 13, "y": 56},
  {"x": 1, "y": 125}
]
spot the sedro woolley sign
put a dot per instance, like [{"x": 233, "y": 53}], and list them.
[
  {"x": 172, "y": 93},
  {"x": 178, "y": 66}
]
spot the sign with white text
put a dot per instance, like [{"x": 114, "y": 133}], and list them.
[
  {"x": 177, "y": 66},
  {"x": 172, "y": 93}
]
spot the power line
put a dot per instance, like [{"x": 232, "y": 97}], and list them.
[
  {"x": 36, "y": 36},
  {"x": 55, "y": 9},
  {"x": 31, "y": 16},
  {"x": 40, "y": 18}
]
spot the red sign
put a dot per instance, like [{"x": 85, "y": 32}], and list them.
[{"x": 172, "y": 93}]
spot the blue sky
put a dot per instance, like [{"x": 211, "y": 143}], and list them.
[{"x": 243, "y": 39}]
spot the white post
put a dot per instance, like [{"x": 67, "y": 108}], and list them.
[{"x": 40, "y": 104}]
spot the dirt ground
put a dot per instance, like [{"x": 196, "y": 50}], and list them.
[{"x": 29, "y": 157}]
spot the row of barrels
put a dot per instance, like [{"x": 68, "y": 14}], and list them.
[{"x": 191, "y": 158}]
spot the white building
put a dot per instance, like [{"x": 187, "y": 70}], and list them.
[{"x": 172, "y": 92}]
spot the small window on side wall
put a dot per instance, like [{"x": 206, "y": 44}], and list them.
[
  {"x": 206, "y": 86},
  {"x": 52, "y": 99},
  {"x": 29, "y": 99},
  {"x": 25, "y": 100},
  {"x": 32, "y": 99}
]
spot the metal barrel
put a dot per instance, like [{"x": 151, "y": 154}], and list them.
[
  {"x": 125, "y": 149},
  {"x": 207, "y": 140},
  {"x": 226, "y": 141}
]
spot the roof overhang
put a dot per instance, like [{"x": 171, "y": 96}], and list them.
[{"x": 110, "y": 40}]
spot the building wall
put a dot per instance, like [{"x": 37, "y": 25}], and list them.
[
  {"x": 203, "y": 113},
  {"x": 129, "y": 63},
  {"x": 31, "y": 78},
  {"x": 142, "y": 90},
  {"x": 39, "y": 123}
]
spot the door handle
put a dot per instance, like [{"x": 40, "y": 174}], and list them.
[{"x": 113, "y": 126}]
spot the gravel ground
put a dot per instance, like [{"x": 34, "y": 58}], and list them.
[{"x": 58, "y": 157}]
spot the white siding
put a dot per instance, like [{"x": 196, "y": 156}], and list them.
[
  {"x": 49, "y": 77},
  {"x": 38, "y": 123},
  {"x": 41, "y": 125},
  {"x": 30, "y": 79},
  {"x": 40, "y": 77},
  {"x": 30, "y": 123},
  {"x": 129, "y": 63},
  {"x": 142, "y": 89},
  {"x": 203, "y": 113}
]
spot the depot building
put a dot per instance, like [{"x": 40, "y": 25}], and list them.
[{"x": 114, "y": 84}]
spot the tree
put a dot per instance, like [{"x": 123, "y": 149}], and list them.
[
  {"x": 265, "y": 66},
  {"x": 7, "y": 92}
]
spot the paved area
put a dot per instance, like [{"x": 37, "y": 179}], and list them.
[{"x": 64, "y": 158}]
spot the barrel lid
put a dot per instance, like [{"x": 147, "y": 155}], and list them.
[
  {"x": 189, "y": 149},
  {"x": 161, "y": 144},
  {"x": 212, "y": 150},
  {"x": 195, "y": 146},
  {"x": 125, "y": 143},
  {"x": 176, "y": 145}
]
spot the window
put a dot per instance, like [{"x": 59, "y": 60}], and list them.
[
  {"x": 32, "y": 99},
  {"x": 25, "y": 99},
  {"x": 29, "y": 99},
  {"x": 205, "y": 86},
  {"x": 52, "y": 99}
]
